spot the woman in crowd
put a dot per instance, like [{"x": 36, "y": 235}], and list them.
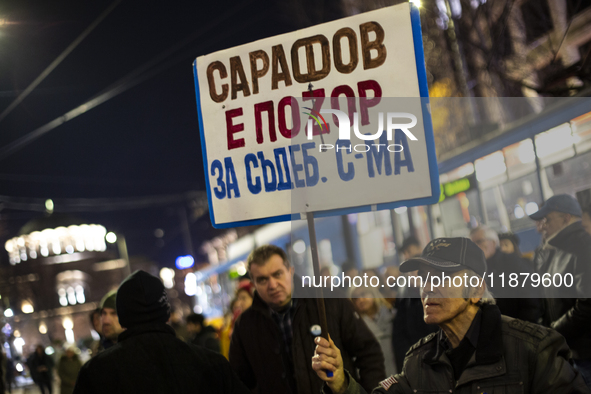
[
  {"x": 378, "y": 315},
  {"x": 242, "y": 301},
  {"x": 68, "y": 368}
]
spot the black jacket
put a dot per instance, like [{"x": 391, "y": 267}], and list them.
[
  {"x": 511, "y": 357},
  {"x": 37, "y": 362},
  {"x": 518, "y": 302},
  {"x": 150, "y": 359},
  {"x": 568, "y": 310},
  {"x": 257, "y": 353}
]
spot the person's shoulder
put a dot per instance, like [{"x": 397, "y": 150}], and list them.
[
  {"x": 206, "y": 356},
  {"x": 581, "y": 239},
  {"x": 248, "y": 319},
  {"x": 424, "y": 343},
  {"x": 573, "y": 239},
  {"x": 525, "y": 330}
]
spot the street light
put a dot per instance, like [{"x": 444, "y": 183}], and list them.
[{"x": 111, "y": 237}]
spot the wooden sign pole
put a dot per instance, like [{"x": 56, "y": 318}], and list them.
[{"x": 319, "y": 292}]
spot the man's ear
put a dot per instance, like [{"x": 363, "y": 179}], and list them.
[{"x": 477, "y": 293}]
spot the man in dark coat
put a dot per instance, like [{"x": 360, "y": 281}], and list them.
[
  {"x": 476, "y": 350},
  {"x": 567, "y": 251},
  {"x": 518, "y": 302},
  {"x": 148, "y": 358},
  {"x": 273, "y": 340},
  {"x": 41, "y": 367}
]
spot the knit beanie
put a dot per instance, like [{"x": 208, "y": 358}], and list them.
[
  {"x": 142, "y": 299},
  {"x": 108, "y": 300}
]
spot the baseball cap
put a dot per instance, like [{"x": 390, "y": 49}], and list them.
[
  {"x": 449, "y": 255},
  {"x": 558, "y": 203}
]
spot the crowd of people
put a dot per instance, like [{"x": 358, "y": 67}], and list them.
[{"x": 420, "y": 339}]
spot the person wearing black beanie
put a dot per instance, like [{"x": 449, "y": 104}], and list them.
[
  {"x": 148, "y": 358},
  {"x": 141, "y": 299}
]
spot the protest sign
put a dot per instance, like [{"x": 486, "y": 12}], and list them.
[{"x": 288, "y": 124}]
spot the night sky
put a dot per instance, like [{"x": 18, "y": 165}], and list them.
[{"x": 142, "y": 142}]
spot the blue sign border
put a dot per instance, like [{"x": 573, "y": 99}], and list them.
[{"x": 432, "y": 157}]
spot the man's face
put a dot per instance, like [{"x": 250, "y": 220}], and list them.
[
  {"x": 553, "y": 223},
  {"x": 507, "y": 246},
  {"x": 363, "y": 301},
  {"x": 272, "y": 281},
  {"x": 110, "y": 323},
  {"x": 586, "y": 222},
  {"x": 193, "y": 328},
  {"x": 487, "y": 245},
  {"x": 442, "y": 303},
  {"x": 412, "y": 251}
]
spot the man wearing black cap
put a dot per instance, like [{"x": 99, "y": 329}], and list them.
[
  {"x": 148, "y": 358},
  {"x": 567, "y": 251},
  {"x": 476, "y": 350},
  {"x": 409, "y": 325}
]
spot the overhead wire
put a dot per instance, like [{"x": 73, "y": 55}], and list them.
[
  {"x": 134, "y": 78},
  {"x": 58, "y": 60},
  {"x": 73, "y": 180},
  {"x": 102, "y": 204}
]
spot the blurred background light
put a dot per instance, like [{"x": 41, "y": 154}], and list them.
[
  {"x": 490, "y": 166},
  {"x": 184, "y": 262},
  {"x": 299, "y": 246},
  {"x": 531, "y": 208},
  {"x": 111, "y": 237},
  {"x": 49, "y": 205},
  {"x": 56, "y": 241},
  {"x": 400, "y": 210},
  {"x": 190, "y": 284},
  {"x": 167, "y": 276}
]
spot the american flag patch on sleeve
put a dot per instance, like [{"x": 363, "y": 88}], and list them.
[{"x": 387, "y": 383}]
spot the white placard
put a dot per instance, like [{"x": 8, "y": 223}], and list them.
[{"x": 254, "y": 117}]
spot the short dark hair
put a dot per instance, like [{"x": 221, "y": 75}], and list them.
[
  {"x": 97, "y": 311},
  {"x": 262, "y": 254},
  {"x": 196, "y": 318},
  {"x": 408, "y": 242}
]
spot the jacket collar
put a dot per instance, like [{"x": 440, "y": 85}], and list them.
[
  {"x": 565, "y": 235},
  {"x": 490, "y": 340},
  {"x": 161, "y": 328}
]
